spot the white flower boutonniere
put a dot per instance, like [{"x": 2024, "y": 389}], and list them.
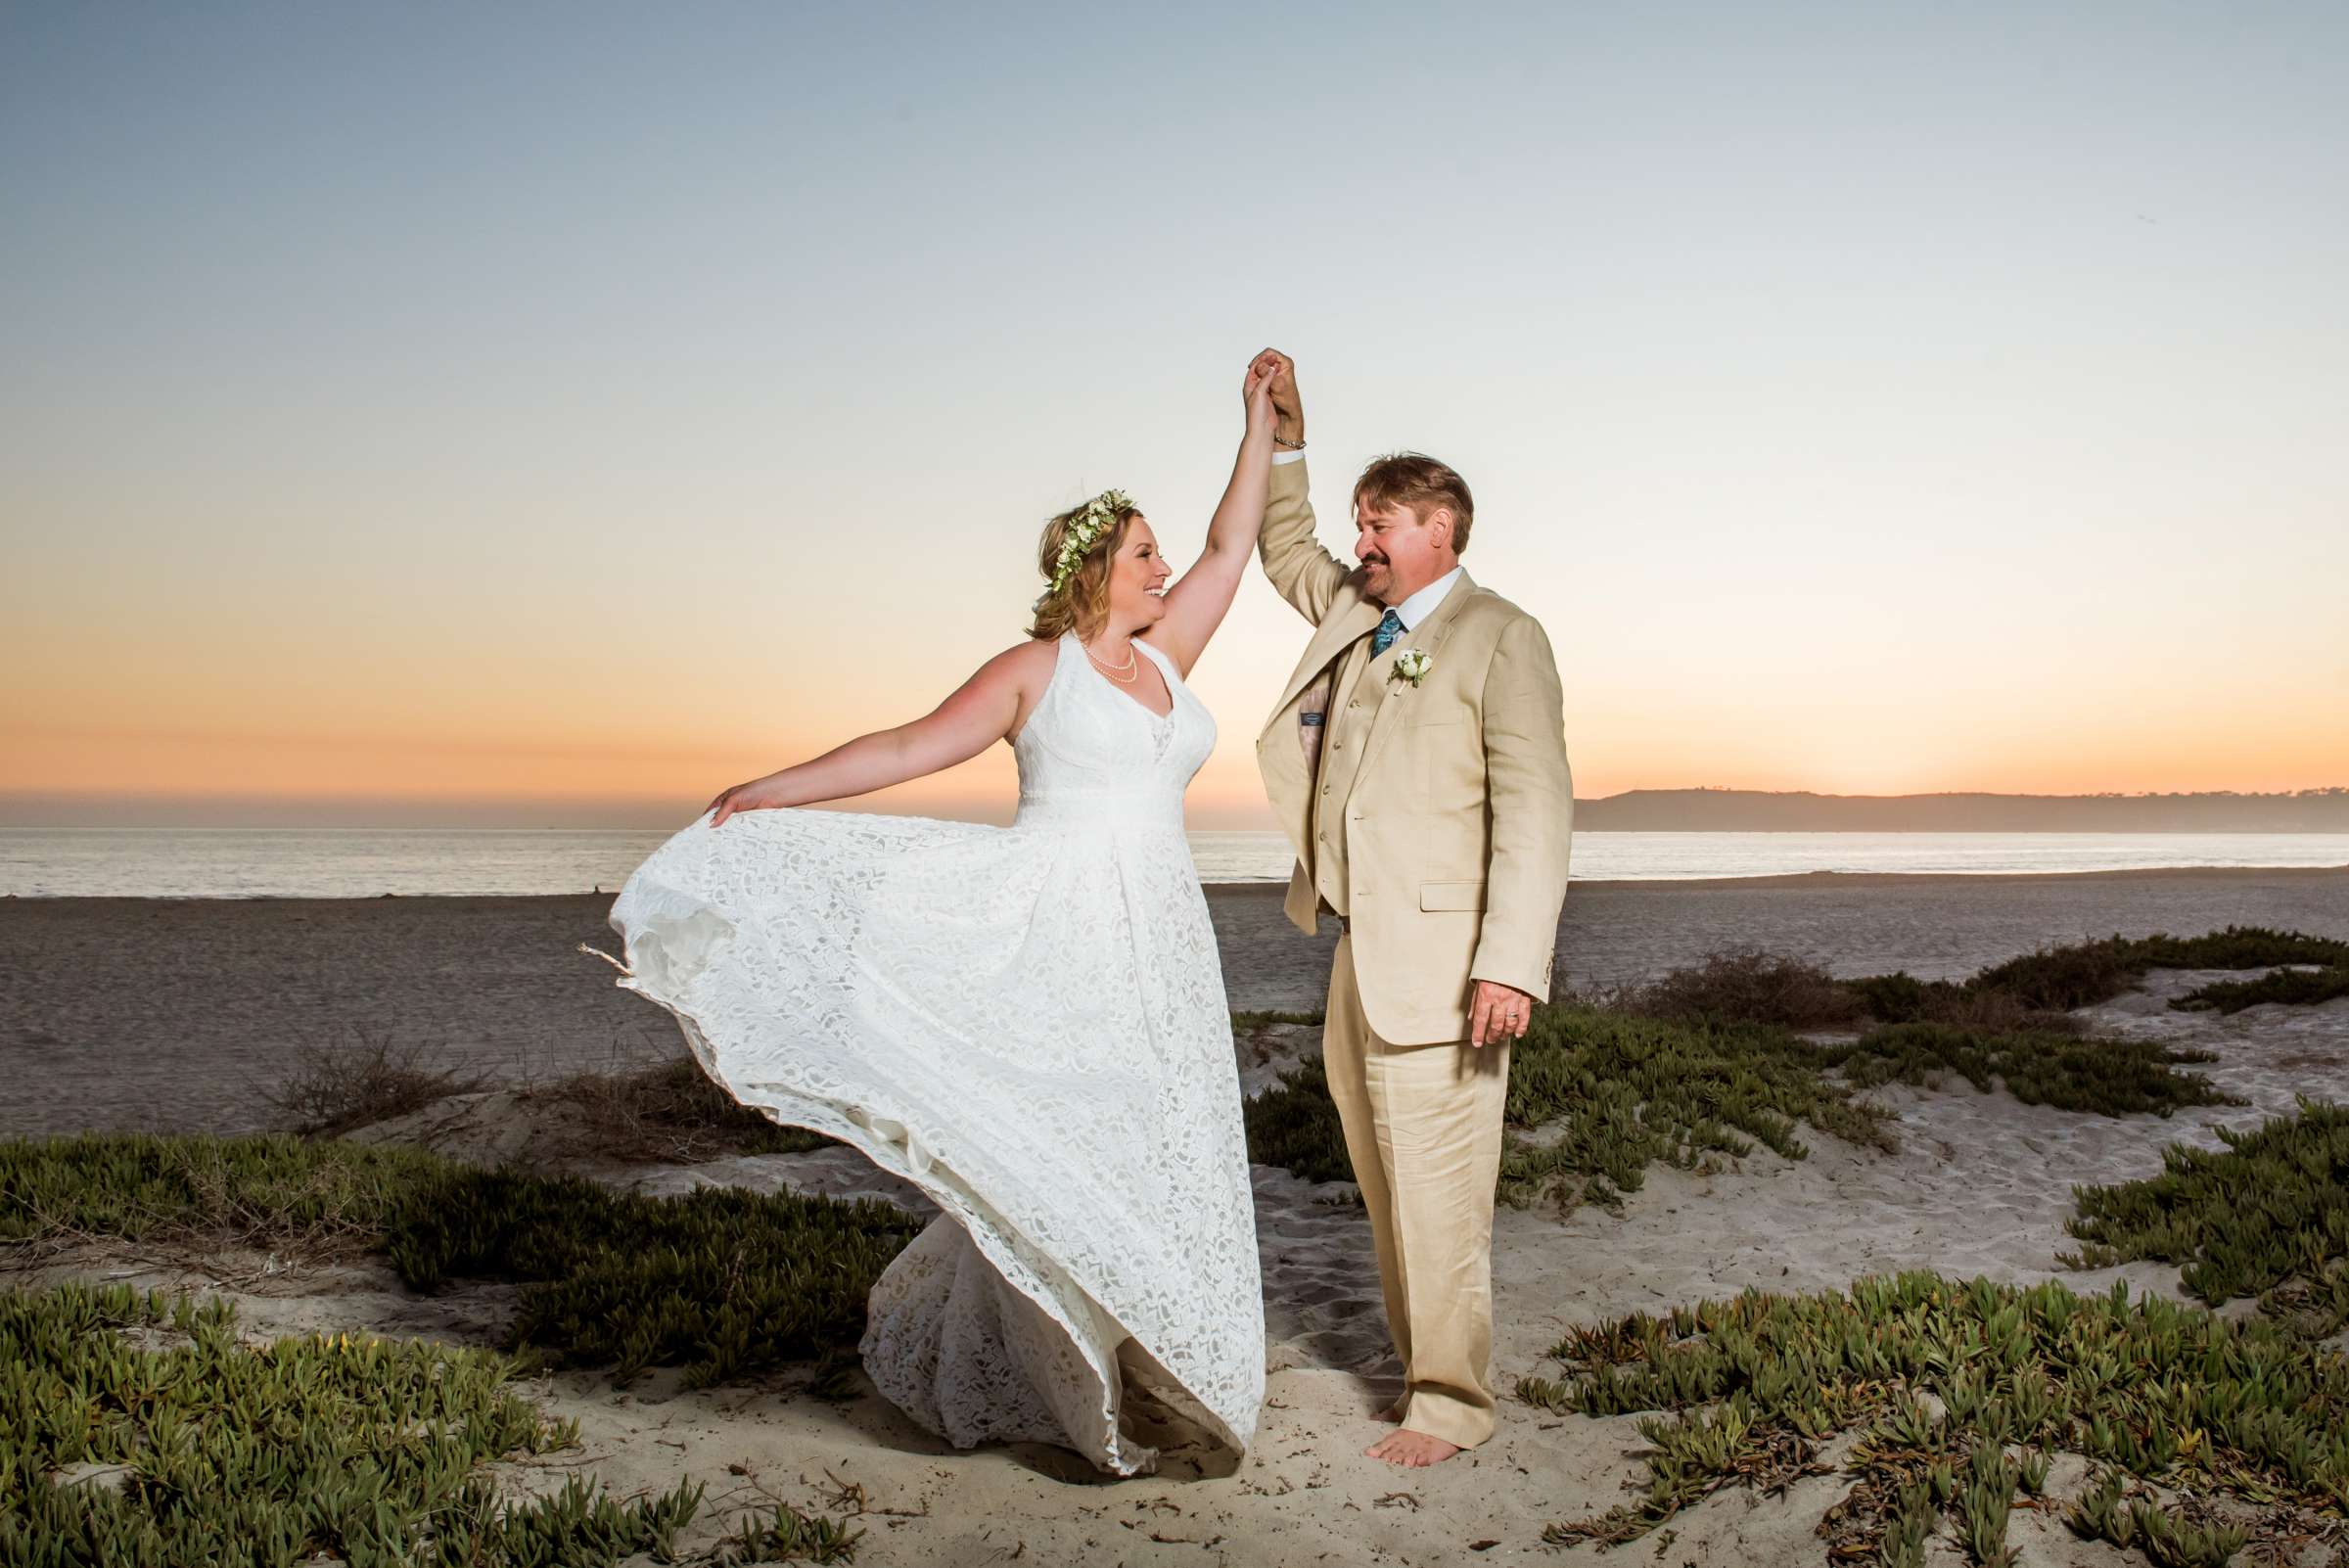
[{"x": 1411, "y": 665}]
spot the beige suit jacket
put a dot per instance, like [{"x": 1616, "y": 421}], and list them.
[{"x": 1458, "y": 821}]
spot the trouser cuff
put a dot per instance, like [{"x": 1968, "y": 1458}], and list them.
[{"x": 1455, "y": 1421}]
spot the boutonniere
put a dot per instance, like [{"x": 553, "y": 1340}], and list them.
[{"x": 1411, "y": 665}]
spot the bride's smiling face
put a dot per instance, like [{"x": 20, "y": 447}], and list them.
[{"x": 1138, "y": 579}]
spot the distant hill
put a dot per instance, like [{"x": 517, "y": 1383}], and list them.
[{"x": 1707, "y": 810}]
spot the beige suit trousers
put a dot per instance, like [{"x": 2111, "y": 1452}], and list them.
[{"x": 1422, "y": 1128}]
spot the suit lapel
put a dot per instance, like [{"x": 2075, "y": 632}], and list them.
[
  {"x": 1388, "y": 693},
  {"x": 1342, "y": 627}
]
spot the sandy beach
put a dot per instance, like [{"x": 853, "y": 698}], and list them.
[{"x": 165, "y": 1014}]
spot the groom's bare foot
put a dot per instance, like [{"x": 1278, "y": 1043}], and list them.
[{"x": 1415, "y": 1450}]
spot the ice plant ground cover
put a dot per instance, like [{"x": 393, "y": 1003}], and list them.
[
  {"x": 2267, "y": 1217},
  {"x": 369, "y": 1448},
  {"x": 2080, "y": 974},
  {"x": 1692, "y": 1071},
  {"x": 719, "y": 1280},
  {"x": 2296, "y": 987},
  {"x": 1943, "y": 1404},
  {"x": 1941, "y": 1408},
  {"x": 1596, "y": 1098},
  {"x": 137, "y": 1430},
  {"x": 2036, "y": 990},
  {"x": 1706, "y": 1062}
]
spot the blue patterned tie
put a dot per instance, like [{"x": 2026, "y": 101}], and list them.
[{"x": 1389, "y": 627}]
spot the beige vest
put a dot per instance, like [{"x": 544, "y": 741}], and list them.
[{"x": 1344, "y": 730}]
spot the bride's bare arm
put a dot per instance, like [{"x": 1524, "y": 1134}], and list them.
[
  {"x": 990, "y": 707},
  {"x": 1196, "y": 604}
]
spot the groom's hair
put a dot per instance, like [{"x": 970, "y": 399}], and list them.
[{"x": 1420, "y": 482}]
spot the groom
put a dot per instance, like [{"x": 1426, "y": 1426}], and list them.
[{"x": 1417, "y": 758}]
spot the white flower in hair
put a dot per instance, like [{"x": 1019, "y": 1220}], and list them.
[{"x": 1099, "y": 516}]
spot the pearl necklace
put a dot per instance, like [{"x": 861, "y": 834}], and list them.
[{"x": 1133, "y": 667}]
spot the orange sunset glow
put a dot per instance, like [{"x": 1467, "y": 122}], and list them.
[{"x": 533, "y": 466}]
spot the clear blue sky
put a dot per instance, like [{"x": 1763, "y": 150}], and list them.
[{"x": 584, "y": 407}]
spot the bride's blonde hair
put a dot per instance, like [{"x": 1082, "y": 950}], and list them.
[{"x": 1080, "y": 603}]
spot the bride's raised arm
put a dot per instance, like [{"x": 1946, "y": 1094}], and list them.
[
  {"x": 987, "y": 708},
  {"x": 1196, "y": 604}
]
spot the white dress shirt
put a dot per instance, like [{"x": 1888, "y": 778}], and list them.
[{"x": 1415, "y": 609}]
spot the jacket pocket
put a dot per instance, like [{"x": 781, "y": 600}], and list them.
[{"x": 1452, "y": 895}]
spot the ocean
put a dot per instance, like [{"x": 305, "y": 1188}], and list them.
[{"x": 368, "y": 862}]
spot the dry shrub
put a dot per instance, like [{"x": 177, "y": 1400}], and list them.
[
  {"x": 1997, "y": 1012},
  {"x": 1903, "y": 999},
  {"x": 667, "y": 1112},
  {"x": 1742, "y": 985},
  {"x": 2059, "y": 979},
  {"x": 672, "y": 1112},
  {"x": 338, "y": 1088}
]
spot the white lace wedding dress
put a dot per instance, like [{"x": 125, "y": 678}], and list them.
[{"x": 1029, "y": 1024}]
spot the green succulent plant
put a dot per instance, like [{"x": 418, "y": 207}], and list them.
[
  {"x": 1937, "y": 1379},
  {"x": 2265, "y": 1216},
  {"x": 372, "y": 1450}
]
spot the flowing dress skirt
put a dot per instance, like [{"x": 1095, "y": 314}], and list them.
[{"x": 1027, "y": 1023}]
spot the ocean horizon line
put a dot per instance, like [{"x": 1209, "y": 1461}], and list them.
[{"x": 341, "y": 863}]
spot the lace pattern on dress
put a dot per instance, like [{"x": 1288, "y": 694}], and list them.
[{"x": 1029, "y": 1024}]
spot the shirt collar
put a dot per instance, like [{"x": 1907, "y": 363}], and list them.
[{"x": 1415, "y": 609}]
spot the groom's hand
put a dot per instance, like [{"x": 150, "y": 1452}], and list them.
[
  {"x": 1288, "y": 408},
  {"x": 1499, "y": 1012}
]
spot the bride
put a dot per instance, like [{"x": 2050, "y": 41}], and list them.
[{"x": 1027, "y": 1023}]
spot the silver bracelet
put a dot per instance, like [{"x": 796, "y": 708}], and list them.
[{"x": 1294, "y": 446}]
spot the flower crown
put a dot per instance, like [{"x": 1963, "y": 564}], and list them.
[{"x": 1098, "y": 516}]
